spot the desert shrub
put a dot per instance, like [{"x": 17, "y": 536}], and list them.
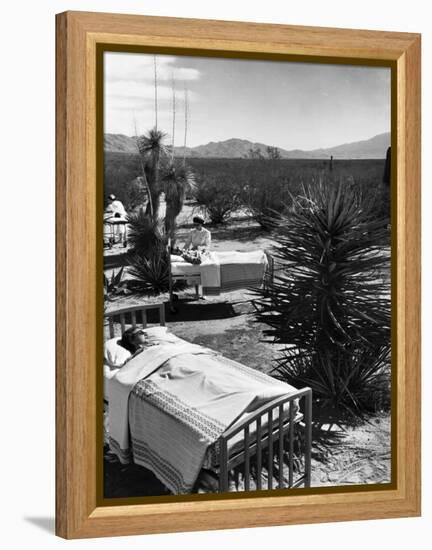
[
  {"x": 367, "y": 174},
  {"x": 218, "y": 195},
  {"x": 330, "y": 303},
  {"x": 264, "y": 199}
]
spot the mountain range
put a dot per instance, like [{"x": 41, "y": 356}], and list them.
[{"x": 373, "y": 148}]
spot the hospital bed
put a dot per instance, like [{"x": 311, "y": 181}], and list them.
[
  {"x": 221, "y": 272},
  {"x": 114, "y": 230},
  {"x": 268, "y": 458}
]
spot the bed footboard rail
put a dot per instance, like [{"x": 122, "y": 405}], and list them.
[
  {"x": 269, "y": 437},
  {"x": 133, "y": 316}
]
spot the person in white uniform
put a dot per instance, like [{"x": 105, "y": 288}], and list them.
[
  {"x": 199, "y": 238},
  {"x": 117, "y": 210},
  {"x": 116, "y": 206}
]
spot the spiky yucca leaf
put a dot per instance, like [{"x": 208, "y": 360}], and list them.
[
  {"x": 145, "y": 235},
  {"x": 152, "y": 148},
  {"x": 150, "y": 275},
  {"x": 346, "y": 384},
  {"x": 152, "y": 142},
  {"x": 148, "y": 258}
]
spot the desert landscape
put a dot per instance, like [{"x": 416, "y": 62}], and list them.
[{"x": 251, "y": 202}]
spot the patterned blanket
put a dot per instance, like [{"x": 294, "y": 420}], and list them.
[{"x": 165, "y": 417}]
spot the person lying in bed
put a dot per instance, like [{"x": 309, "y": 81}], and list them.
[{"x": 135, "y": 340}]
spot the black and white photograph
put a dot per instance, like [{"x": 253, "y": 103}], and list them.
[{"x": 247, "y": 275}]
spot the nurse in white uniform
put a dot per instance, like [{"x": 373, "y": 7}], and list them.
[
  {"x": 199, "y": 238},
  {"x": 117, "y": 210}
]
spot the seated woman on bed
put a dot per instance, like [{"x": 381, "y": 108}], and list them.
[{"x": 199, "y": 238}]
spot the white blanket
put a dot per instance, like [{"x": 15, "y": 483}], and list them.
[
  {"x": 210, "y": 271},
  {"x": 236, "y": 257}
]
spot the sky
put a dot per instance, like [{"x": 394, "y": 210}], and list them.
[{"x": 285, "y": 104}]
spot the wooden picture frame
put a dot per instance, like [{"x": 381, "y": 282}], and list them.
[{"x": 79, "y": 34}]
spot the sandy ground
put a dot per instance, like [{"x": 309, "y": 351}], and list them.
[{"x": 341, "y": 456}]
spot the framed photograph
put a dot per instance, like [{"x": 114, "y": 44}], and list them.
[{"x": 238, "y": 275}]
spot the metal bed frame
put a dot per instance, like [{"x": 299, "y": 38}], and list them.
[
  {"x": 196, "y": 279},
  {"x": 257, "y": 452},
  {"x": 109, "y": 236}
]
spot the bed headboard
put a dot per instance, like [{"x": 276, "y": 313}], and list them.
[{"x": 133, "y": 315}]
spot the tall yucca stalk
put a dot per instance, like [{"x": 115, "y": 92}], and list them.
[
  {"x": 186, "y": 122},
  {"x": 155, "y": 91},
  {"x": 151, "y": 147},
  {"x": 173, "y": 116},
  {"x": 330, "y": 302}
]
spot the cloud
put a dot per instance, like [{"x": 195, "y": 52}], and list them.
[
  {"x": 134, "y": 96},
  {"x": 129, "y": 87},
  {"x": 140, "y": 68},
  {"x": 129, "y": 93}
]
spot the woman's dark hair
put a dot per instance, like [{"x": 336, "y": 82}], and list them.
[
  {"x": 198, "y": 219},
  {"x": 127, "y": 340}
]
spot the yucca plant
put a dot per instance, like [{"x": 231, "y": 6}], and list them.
[
  {"x": 147, "y": 258},
  {"x": 350, "y": 383},
  {"x": 152, "y": 148},
  {"x": 330, "y": 301},
  {"x": 150, "y": 275},
  {"x": 112, "y": 284},
  {"x": 146, "y": 235},
  {"x": 177, "y": 181}
]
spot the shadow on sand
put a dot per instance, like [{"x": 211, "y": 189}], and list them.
[{"x": 187, "y": 310}]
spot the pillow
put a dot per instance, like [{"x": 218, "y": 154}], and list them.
[
  {"x": 156, "y": 331},
  {"x": 114, "y": 354},
  {"x": 160, "y": 335},
  {"x": 175, "y": 258}
]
